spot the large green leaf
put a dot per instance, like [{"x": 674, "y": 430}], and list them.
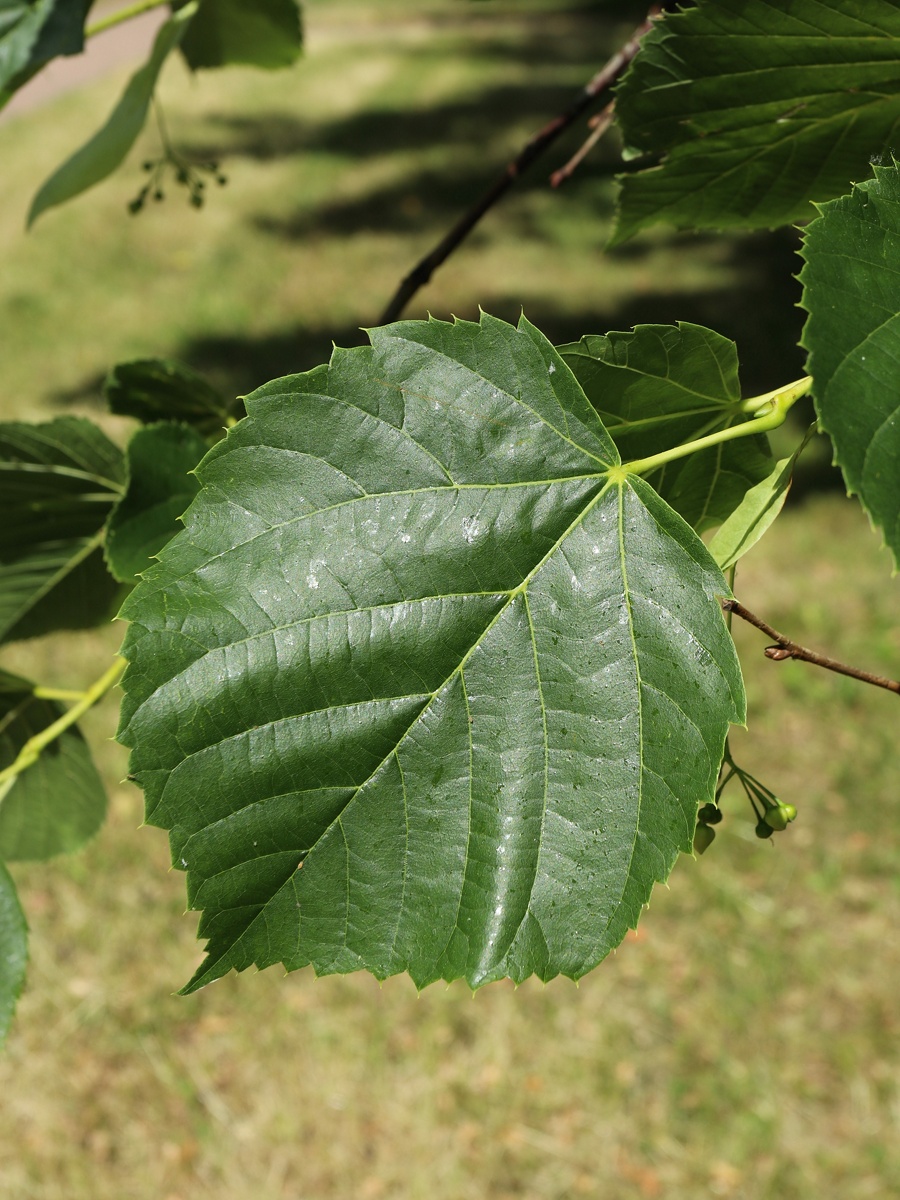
[
  {"x": 100, "y": 156},
  {"x": 851, "y": 289},
  {"x": 259, "y": 33},
  {"x": 33, "y": 33},
  {"x": 58, "y": 802},
  {"x": 160, "y": 488},
  {"x": 662, "y": 385},
  {"x": 758, "y": 107},
  {"x": 158, "y": 389},
  {"x": 58, "y": 483},
  {"x": 13, "y": 950},
  {"x": 423, "y": 636}
]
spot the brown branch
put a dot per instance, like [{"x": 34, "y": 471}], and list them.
[
  {"x": 785, "y": 648},
  {"x": 598, "y": 124},
  {"x": 601, "y": 83}
]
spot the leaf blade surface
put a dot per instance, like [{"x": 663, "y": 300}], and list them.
[
  {"x": 58, "y": 803},
  {"x": 161, "y": 459},
  {"x": 13, "y": 950},
  {"x": 852, "y": 294},
  {"x": 758, "y": 107},
  {"x": 659, "y": 386},
  {"x": 156, "y": 389},
  {"x": 433, "y": 648},
  {"x": 58, "y": 482},
  {"x": 259, "y": 33}
]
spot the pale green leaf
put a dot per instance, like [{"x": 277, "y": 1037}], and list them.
[
  {"x": 13, "y": 950},
  {"x": 160, "y": 488},
  {"x": 756, "y": 512},
  {"x": 662, "y": 385},
  {"x": 106, "y": 150},
  {"x": 259, "y": 33},
  {"x": 851, "y": 290},
  {"x": 757, "y": 107},
  {"x": 58, "y": 483},
  {"x": 58, "y": 802},
  {"x": 424, "y": 637}
]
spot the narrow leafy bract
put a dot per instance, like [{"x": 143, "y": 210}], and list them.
[
  {"x": 58, "y": 483},
  {"x": 58, "y": 802},
  {"x": 662, "y": 385},
  {"x": 158, "y": 389},
  {"x": 105, "y": 151},
  {"x": 428, "y": 683},
  {"x": 160, "y": 488},
  {"x": 758, "y": 107},
  {"x": 756, "y": 512},
  {"x": 13, "y": 950},
  {"x": 259, "y": 33},
  {"x": 851, "y": 290}
]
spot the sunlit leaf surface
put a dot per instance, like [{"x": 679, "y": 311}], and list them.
[
  {"x": 852, "y": 293},
  {"x": 427, "y": 684},
  {"x": 757, "y": 107}
]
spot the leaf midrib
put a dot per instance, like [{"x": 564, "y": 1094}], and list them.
[
  {"x": 431, "y": 489},
  {"x": 459, "y": 669},
  {"x": 428, "y": 697}
]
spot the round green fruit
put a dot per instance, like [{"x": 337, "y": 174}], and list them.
[
  {"x": 709, "y": 814},
  {"x": 780, "y": 817},
  {"x": 763, "y": 830}
]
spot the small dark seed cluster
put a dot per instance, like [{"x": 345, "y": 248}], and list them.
[{"x": 184, "y": 174}]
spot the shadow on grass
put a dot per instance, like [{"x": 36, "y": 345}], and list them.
[
  {"x": 443, "y": 157},
  {"x": 760, "y": 313}
]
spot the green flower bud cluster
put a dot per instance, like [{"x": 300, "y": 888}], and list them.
[
  {"x": 185, "y": 174},
  {"x": 772, "y": 814}
]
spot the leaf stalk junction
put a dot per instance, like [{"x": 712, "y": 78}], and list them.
[
  {"x": 31, "y": 751},
  {"x": 771, "y": 409}
]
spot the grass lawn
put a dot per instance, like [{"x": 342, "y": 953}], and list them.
[{"x": 745, "y": 1042}]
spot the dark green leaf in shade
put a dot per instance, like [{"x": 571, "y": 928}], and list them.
[
  {"x": 32, "y": 34},
  {"x": 58, "y": 483},
  {"x": 851, "y": 290},
  {"x": 58, "y": 802},
  {"x": 422, "y": 635},
  {"x": 13, "y": 950},
  {"x": 20, "y": 29},
  {"x": 757, "y": 107},
  {"x": 756, "y": 512},
  {"x": 159, "y": 489},
  {"x": 258, "y": 33},
  {"x": 662, "y": 385},
  {"x": 157, "y": 389},
  {"x": 105, "y": 151}
]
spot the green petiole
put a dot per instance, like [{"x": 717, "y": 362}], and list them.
[
  {"x": 31, "y": 751},
  {"x": 771, "y": 410},
  {"x": 123, "y": 14}
]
